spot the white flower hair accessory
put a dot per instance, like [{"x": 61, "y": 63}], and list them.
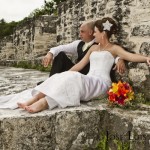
[{"x": 107, "y": 25}]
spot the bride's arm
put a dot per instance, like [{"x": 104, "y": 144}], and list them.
[
  {"x": 84, "y": 61},
  {"x": 130, "y": 56}
]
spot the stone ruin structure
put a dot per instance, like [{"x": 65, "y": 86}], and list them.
[
  {"x": 30, "y": 40},
  {"x": 86, "y": 126}
]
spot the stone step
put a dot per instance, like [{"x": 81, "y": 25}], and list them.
[{"x": 75, "y": 128}]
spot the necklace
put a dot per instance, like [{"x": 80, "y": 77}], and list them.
[{"x": 103, "y": 47}]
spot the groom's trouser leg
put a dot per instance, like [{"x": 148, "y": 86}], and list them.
[
  {"x": 61, "y": 63},
  {"x": 113, "y": 75}
]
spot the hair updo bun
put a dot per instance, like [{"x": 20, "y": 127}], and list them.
[{"x": 108, "y": 25}]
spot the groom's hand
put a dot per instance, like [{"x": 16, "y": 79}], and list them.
[{"x": 48, "y": 59}]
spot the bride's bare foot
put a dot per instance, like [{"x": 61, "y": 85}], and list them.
[
  {"x": 29, "y": 102},
  {"x": 37, "y": 106},
  {"x": 22, "y": 105}
]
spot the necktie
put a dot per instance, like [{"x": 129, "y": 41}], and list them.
[{"x": 86, "y": 45}]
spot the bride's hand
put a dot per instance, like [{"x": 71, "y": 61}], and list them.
[
  {"x": 120, "y": 67},
  {"x": 148, "y": 61}
]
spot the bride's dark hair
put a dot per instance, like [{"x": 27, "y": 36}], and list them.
[{"x": 100, "y": 26}]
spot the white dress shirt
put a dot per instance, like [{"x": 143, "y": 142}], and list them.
[
  {"x": 70, "y": 48},
  {"x": 86, "y": 45}
]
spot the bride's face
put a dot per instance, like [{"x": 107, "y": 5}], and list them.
[{"x": 98, "y": 35}]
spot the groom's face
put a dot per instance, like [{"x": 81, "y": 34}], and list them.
[{"x": 85, "y": 33}]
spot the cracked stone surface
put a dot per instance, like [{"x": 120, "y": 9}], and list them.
[{"x": 14, "y": 80}]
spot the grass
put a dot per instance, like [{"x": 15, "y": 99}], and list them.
[{"x": 29, "y": 65}]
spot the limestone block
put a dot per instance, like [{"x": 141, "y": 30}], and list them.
[
  {"x": 145, "y": 48},
  {"x": 137, "y": 75},
  {"x": 75, "y": 128}
]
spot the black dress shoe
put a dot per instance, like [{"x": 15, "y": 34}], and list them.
[{"x": 39, "y": 82}]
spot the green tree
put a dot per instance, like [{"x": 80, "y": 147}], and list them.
[
  {"x": 6, "y": 28},
  {"x": 50, "y": 7}
]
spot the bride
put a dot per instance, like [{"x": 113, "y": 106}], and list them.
[{"x": 68, "y": 88}]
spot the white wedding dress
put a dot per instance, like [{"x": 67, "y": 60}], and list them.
[{"x": 68, "y": 88}]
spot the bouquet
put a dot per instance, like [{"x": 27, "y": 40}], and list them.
[{"x": 120, "y": 93}]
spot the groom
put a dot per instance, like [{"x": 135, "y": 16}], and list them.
[{"x": 78, "y": 48}]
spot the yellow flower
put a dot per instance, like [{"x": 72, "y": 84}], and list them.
[
  {"x": 114, "y": 87},
  {"x": 130, "y": 95}
]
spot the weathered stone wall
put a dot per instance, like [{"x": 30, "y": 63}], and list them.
[
  {"x": 30, "y": 40},
  {"x": 6, "y": 48},
  {"x": 133, "y": 17}
]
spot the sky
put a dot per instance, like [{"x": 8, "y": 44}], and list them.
[{"x": 16, "y": 10}]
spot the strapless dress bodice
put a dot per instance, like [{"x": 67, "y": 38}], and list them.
[{"x": 101, "y": 63}]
